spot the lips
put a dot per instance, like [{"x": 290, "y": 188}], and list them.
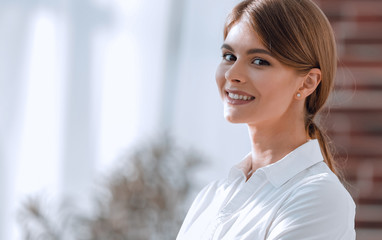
[{"x": 238, "y": 97}]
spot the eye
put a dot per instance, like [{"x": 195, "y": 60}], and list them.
[
  {"x": 229, "y": 57},
  {"x": 261, "y": 62}
]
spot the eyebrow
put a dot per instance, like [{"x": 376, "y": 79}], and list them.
[{"x": 250, "y": 51}]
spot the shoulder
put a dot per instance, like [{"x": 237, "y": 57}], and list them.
[
  {"x": 321, "y": 192},
  {"x": 322, "y": 187},
  {"x": 202, "y": 202},
  {"x": 209, "y": 191},
  {"x": 318, "y": 205},
  {"x": 205, "y": 196}
]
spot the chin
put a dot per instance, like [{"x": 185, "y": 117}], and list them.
[{"x": 234, "y": 119}]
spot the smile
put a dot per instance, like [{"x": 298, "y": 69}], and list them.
[{"x": 238, "y": 98}]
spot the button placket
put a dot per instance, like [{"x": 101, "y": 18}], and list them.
[
  {"x": 215, "y": 226},
  {"x": 242, "y": 196}
]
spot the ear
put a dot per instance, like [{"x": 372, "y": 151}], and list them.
[{"x": 309, "y": 83}]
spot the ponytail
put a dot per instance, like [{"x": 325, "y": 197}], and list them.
[{"x": 316, "y": 133}]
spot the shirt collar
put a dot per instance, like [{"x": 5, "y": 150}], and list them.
[
  {"x": 286, "y": 168},
  {"x": 240, "y": 169}
]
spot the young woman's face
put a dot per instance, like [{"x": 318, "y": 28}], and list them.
[{"x": 254, "y": 86}]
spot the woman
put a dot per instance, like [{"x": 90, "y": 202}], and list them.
[{"x": 279, "y": 61}]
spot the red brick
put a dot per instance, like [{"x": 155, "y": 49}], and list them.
[
  {"x": 369, "y": 213},
  {"x": 356, "y": 99},
  {"x": 355, "y": 119},
  {"x": 357, "y": 30},
  {"x": 358, "y": 77},
  {"x": 366, "y": 169},
  {"x": 351, "y": 9},
  {"x": 369, "y": 234},
  {"x": 360, "y": 52},
  {"x": 354, "y": 123},
  {"x": 359, "y": 146}
]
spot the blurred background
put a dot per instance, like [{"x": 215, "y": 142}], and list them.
[
  {"x": 84, "y": 81},
  {"x": 354, "y": 121}
]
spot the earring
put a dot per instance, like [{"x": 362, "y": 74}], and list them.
[{"x": 298, "y": 95}]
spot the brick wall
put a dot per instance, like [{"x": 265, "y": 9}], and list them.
[{"x": 355, "y": 119}]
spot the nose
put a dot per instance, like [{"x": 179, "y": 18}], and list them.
[{"x": 235, "y": 73}]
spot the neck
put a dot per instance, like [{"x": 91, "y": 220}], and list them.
[{"x": 272, "y": 141}]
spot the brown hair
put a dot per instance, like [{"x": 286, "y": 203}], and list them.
[{"x": 299, "y": 35}]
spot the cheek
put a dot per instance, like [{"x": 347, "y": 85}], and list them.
[
  {"x": 220, "y": 77},
  {"x": 281, "y": 94}
]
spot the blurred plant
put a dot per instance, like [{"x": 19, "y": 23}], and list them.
[{"x": 142, "y": 199}]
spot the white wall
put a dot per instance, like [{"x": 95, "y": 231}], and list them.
[{"x": 82, "y": 81}]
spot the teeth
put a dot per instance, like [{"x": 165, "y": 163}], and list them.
[{"x": 241, "y": 97}]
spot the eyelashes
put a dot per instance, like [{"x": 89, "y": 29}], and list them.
[
  {"x": 256, "y": 61},
  {"x": 261, "y": 62},
  {"x": 229, "y": 57}
]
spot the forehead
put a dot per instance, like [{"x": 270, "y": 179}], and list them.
[{"x": 243, "y": 35}]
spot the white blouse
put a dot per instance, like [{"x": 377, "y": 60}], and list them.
[{"x": 297, "y": 197}]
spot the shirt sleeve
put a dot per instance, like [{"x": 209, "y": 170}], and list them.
[
  {"x": 197, "y": 208},
  {"x": 319, "y": 210}
]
